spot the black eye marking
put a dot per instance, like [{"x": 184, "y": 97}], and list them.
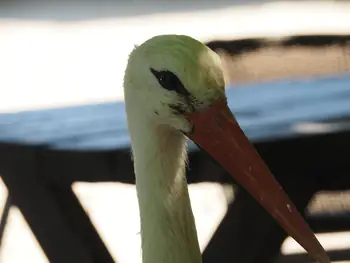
[{"x": 170, "y": 81}]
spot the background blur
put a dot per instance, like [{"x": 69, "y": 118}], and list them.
[{"x": 61, "y": 53}]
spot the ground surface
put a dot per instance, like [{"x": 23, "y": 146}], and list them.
[{"x": 53, "y": 55}]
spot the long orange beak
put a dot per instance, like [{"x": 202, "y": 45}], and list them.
[{"x": 217, "y": 132}]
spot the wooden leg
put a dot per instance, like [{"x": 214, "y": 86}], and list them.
[
  {"x": 81, "y": 225},
  {"x": 4, "y": 216},
  {"x": 248, "y": 233},
  {"x": 40, "y": 207}
]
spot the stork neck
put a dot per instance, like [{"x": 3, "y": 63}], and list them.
[{"x": 168, "y": 229}]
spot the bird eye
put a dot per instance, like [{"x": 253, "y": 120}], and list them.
[{"x": 170, "y": 81}]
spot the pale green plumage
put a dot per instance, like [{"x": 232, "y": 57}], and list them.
[{"x": 198, "y": 67}]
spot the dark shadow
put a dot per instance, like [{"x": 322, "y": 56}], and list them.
[
  {"x": 241, "y": 46},
  {"x": 4, "y": 217}
]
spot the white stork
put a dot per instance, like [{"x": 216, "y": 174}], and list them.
[{"x": 174, "y": 90}]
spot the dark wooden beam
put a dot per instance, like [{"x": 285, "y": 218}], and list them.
[{"x": 39, "y": 206}]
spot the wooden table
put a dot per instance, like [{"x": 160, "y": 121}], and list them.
[{"x": 299, "y": 127}]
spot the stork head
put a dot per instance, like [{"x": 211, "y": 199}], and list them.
[
  {"x": 170, "y": 75},
  {"x": 176, "y": 81}
]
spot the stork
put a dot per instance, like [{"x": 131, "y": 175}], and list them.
[{"x": 174, "y": 89}]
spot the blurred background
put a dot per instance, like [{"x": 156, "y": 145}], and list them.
[{"x": 57, "y": 54}]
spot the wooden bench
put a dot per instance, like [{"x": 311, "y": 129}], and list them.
[{"x": 300, "y": 128}]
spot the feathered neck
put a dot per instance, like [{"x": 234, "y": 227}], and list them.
[{"x": 168, "y": 229}]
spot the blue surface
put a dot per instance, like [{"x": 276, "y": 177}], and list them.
[{"x": 265, "y": 111}]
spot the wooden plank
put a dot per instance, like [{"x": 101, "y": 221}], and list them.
[
  {"x": 20, "y": 172},
  {"x": 4, "y": 217},
  {"x": 80, "y": 224},
  {"x": 64, "y": 167},
  {"x": 266, "y": 111},
  {"x": 257, "y": 59}
]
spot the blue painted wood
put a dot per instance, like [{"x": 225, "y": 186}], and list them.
[{"x": 266, "y": 111}]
